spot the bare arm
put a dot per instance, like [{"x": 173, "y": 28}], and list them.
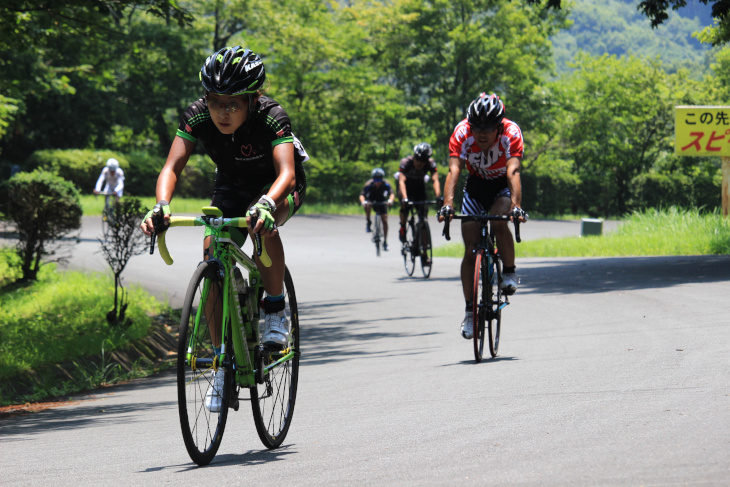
[
  {"x": 514, "y": 182},
  {"x": 283, "y": 157},
  {"x": 402, "y": 186},
  {"x": 177, "y": 158},
  {"x": 452, "y": 179},
  {"x": 436, "y": 184}
]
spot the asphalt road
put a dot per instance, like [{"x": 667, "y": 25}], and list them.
[{"x": 612, "y": 371}]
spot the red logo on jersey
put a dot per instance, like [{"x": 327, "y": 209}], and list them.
[{"x": 246, "y": 150}]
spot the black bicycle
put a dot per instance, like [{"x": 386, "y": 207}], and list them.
[
  {"x": 378, "y": 235},
  {"x": 487, "y": 297},
  {"x": 417, "y": 243}
]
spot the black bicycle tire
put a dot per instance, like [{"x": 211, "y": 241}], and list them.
[
  {"x": 190, "y": 383},
  {"x": 495, "y": 315},
  {"x": 273, "y": 439},
  {"x": 478, "y": 309},
  {"x": 426, "y": 235},
  {"x": 378, "y": 235},
  {"x": 409, "y": 260}
]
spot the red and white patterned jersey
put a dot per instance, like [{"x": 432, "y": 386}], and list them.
[{"x": 494, "y": 164}]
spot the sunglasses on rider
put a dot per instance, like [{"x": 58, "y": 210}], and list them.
[{"x": 216, "y": 104}]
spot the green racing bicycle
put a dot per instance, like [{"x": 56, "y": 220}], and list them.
[{"x": 222, "y": 310}]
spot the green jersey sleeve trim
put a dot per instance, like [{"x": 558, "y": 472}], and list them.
[
  {"x": 282, "y": 140},
  {"x": 186, "y": 135}
]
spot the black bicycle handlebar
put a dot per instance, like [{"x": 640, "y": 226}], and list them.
[{"x": 484, "y": 218}]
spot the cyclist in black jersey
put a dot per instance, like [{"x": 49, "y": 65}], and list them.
[
  {"x": 258, "y": 164},
  {"x": 413, "y": 174},
  {"x": 376, "y": 190}
]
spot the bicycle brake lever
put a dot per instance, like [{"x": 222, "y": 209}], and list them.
[
  {"x": 254, "y": 214},
  {"x": 447, "y": 223}
]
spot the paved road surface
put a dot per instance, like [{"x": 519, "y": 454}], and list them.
[{"x": 613, "y": 371}]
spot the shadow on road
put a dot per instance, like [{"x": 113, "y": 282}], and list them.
[
  {"x": 250, "y": 458},
  {"x": 598, "y": 275},
  {"x": 328, "y": 337}
]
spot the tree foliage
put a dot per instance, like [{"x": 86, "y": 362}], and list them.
[{"x": 43, "y": 208}]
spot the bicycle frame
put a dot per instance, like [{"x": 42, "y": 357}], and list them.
[{"x": 241, "y": 326}]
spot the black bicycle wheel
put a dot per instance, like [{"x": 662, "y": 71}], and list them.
[
  {"x": 426, "y": 250},
  {"x": 479, "y": 300},
  {"x": 495, "y": 309},
  {"x": 202, "y": 425},
  {"x": 378, "y": 234},
  {"x": 409, "y": 259},
  {"x": 273, "y": 401}
]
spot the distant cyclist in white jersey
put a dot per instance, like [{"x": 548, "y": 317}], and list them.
[{"x": 111, "y": 179}]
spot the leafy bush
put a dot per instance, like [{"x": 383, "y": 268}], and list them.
[
  {"x": 658, "y": 190},
  {"x": 82, "y": 167},
  {"x": 197, "y": 178},
  {"x": 44, "y": 207}
]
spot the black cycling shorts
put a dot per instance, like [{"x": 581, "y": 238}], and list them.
[{"x": 480, "y": 194}]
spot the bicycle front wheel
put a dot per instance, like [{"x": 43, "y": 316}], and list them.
[
  {"x": 409, "y": 259},
  {"x": 479, "y": 300},
  {"x": 202, "y": 423},
  {"x": 273, "y": 401},
  {"x": 378, "y": 235},
  {"x": 426, "y": 250},
  {"x": 495, "y": 305}
]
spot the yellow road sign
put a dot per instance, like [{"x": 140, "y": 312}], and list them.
[{"x": 702, "y": 131}]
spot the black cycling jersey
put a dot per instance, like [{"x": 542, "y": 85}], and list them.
[
  {"x": 415, "y": 178},
  {"x": 376, "y": 194},
  {"x": 244, "y": 159},
  {"x": 408, "y": 168}
]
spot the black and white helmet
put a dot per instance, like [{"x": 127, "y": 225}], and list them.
[
  {"x": 377, "y": 173},
  {"x": 486, "y": 111},
  {"x": 422, "y": 151},
  {"x": 233, "y": 71}
]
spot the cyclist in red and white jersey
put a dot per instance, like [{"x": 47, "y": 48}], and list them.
[{"x": 491, "y": 148}]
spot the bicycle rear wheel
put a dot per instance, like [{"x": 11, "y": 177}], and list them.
[
  {"x": 378, "y": 235},
  {"x": 273, "y": 401},
  {"x": 426, "y": 250},
  {"x": 409, "y": 260},
  {"x": 480, "y": 300},
  {"x": 495, "y": 308},
  {"x": 202, "y": 428}
]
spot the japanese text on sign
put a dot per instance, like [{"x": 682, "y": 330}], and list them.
[{"x": 702, "y": 131}]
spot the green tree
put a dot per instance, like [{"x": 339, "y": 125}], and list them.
[
  {"x": 656, "y": 11},
  {"x": 442, "y": 54},
  {"x": 43, "y": 207}
]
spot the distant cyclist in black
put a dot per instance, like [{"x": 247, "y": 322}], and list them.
[
  {"x": 413, "y": 174},
  {"x": 377, "y": 191}
]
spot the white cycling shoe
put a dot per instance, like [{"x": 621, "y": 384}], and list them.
[
  {"x": 509, "y": 284},
  {"x": 467, "y": 326},
  {"x": 276, "y": 330},
  {"x": 214, "y": 396}
]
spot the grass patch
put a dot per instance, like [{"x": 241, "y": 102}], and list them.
[
  {"x": 647, "y": 233},
  {"x": 60, "y": 320}
]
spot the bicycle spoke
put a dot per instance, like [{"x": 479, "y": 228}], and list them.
[
  {"x": 273, "y": 401},
  {"x": 202, "y": 428}
]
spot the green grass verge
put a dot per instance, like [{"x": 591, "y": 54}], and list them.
[
  {"x": 61, "y": 319},
  {"x": 651, "y": 232}
]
